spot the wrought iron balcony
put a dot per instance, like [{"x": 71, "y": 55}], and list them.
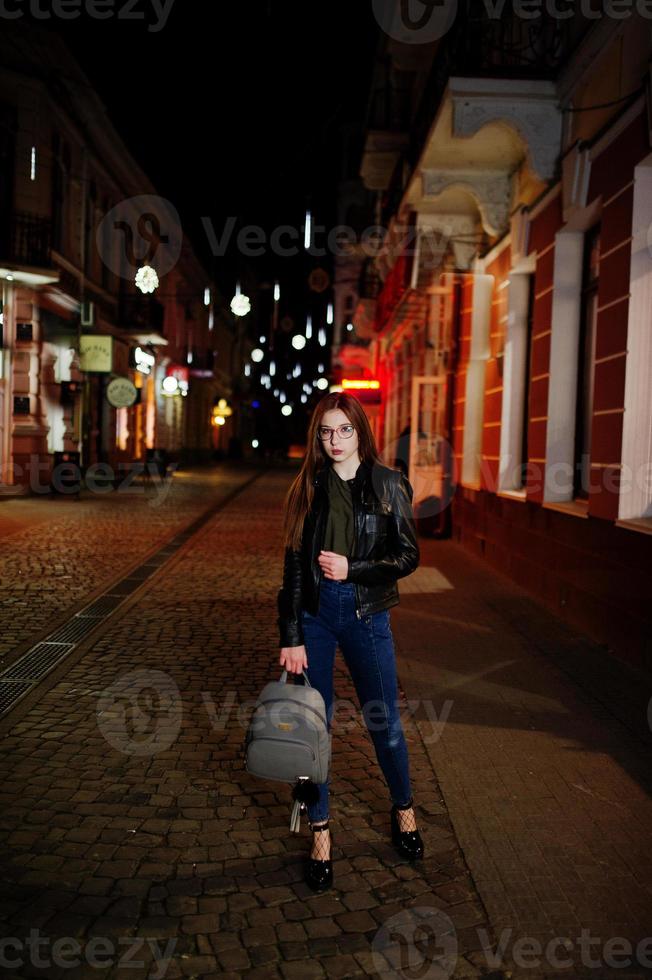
[{"x": 482, "y": 45}]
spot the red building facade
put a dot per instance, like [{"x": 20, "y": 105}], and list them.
[{"x": 521, "y": 356}]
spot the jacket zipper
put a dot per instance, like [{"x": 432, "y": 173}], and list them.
[
  {"x": 315, "y": 482},
  {"x": 355, "y": 548}
]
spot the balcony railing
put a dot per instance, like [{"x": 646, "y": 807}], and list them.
[
  {"x": 506, "y": 46},
  {"x": 26, "y": 240},
  {"x": 141, "y": 313}
]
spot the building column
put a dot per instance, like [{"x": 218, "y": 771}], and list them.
[{"x": 29, "y": 432}]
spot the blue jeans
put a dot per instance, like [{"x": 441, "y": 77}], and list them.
[{"x": 367, "y": 646}]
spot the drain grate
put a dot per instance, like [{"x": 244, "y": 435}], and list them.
[
  {"x": 140, "y": 574},
  {"x": 11, "y": 692},
  {"x": 37, "y": 662},
  {"x": 73, "y": 631},
  {"x": 19, "y": 678},
  {"x": 101, "y": 607},
  {"x": 126, "y": 587}
]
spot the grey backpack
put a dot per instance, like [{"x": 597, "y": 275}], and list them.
[{"x": 288, "y": 739}]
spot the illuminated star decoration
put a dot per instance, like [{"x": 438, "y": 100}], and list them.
[{"x": 147, "y": 279}]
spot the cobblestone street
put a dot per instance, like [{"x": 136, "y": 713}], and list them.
[
  {"x": 57, "y": 552},
  {"x": 134, "y": 822}
]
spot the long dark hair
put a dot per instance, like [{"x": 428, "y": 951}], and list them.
[{"x": 298, "y": 499}]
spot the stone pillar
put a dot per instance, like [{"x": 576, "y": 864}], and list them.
[{"x": 29, "y": 429}]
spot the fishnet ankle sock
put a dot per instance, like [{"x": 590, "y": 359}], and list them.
[
  {"x": 406, "y": 820},
  {"x": 321, "y": 842}
]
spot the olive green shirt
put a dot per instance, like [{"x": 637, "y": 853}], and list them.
[{"x": 339, "y": 535}]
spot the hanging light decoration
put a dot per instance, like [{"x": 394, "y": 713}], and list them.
[
  {"x": 240, "y": 304},
  {"x": 308, "y": 327},
  {"x": 147, "y": 279},
  {"x": 322, "y": 337},
  {"x": 272, "y": 368},
  {"x": 298, "y": 341},
  {"x": 329, "y": 314},
  {"x": 277, "y": 292},
  {"x": 257, "y": 354},
  {"x": 307, "y": 236},
  {"x": 287, "y": 410}
]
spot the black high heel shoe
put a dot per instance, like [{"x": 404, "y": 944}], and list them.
[
  {"x": 407, "y": 842},
  {"x": 319, "y": 874}
]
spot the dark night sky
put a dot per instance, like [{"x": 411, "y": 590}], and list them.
[{"x": 235, "y": 108}]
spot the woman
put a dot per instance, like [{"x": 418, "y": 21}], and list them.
[{"x": 349, "y": 535}]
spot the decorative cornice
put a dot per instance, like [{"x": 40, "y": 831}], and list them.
[
  {"x": 532, "y": 112},
  {"x": 491, "y": 189},
  {"x": 456, "y": 230}
]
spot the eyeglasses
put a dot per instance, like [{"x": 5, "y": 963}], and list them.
[{"x": 344, "y": 431}]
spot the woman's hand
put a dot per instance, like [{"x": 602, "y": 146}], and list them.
[
  {"x": 333, "y": 565},
  {"x": 293, "y": 659}
]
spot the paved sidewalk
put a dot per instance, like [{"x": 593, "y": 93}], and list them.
[
  {"x": 127, "y": 816},
  {"x": 548, "y": 791}
]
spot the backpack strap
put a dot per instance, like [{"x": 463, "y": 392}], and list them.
[{"x": 283, "y": 677}]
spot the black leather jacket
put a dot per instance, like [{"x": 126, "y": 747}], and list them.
[{"x": 385, "y": 548}]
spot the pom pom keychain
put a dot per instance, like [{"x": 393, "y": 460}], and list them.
[{"x": 304, "y": 791}]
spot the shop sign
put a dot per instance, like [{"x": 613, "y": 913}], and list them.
[
  {"x": 96, "y": 353},
  {"x": 121, "y": 393}
]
